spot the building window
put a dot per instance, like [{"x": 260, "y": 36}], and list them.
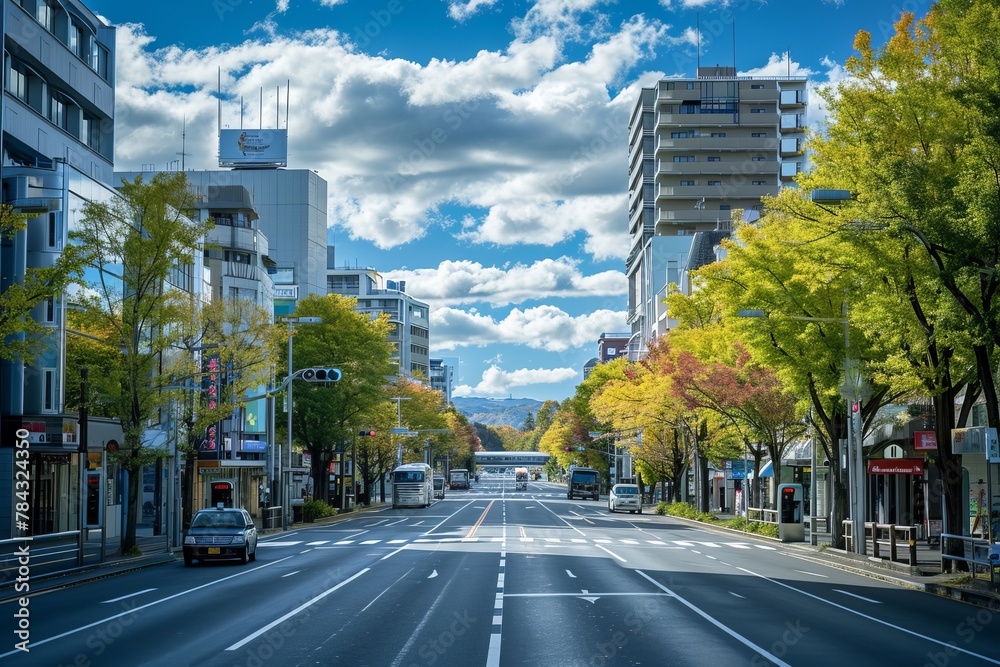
[
  {"x": 57, "y": 111},
  {"x": 690, "y": 85},
  {"x": 758, "y": 158},
  {"x": 756, "y": 86},
  {"x": 52, "y": 237},
  {"x": 758, "y": 110},
  {"x": 758, "y": 135},
  {"x": 75, "y": 39},
  {"x": 724, "y": 207},
  {"x": 44, "y": 12},
  {"x": 688, "y": 183},
  {"x": 718, "y": 135},
  {"x": 17, "y": 81},
  {"x": 683, "y": 158},
  {"x": 759, "y": 183},
  {"x": 714, "y": 158},
  {"x": 715, "y": 182},
  {"x": 49, "y": 387},
  {"x": 49, "y": 311},
  {"x": 681, "y": 135}
]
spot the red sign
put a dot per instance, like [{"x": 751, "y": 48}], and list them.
[
  {"x": 924, "y": 440},
  {"x": 896, "y": 467}
]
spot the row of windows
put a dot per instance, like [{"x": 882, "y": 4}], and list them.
[
  {"x": 715, "y": 158},
  {"x": 419, "y": 349},
  {"x": 694, "y": 134},
  {"x": 60, "y": 109},
  {"x": 79, "y": 39},
  {"x": 689, "y": 183}
]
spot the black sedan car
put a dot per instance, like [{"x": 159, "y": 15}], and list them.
[{"x": 220, "y": 532}]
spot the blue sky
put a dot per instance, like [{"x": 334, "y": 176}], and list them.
[{"x": 475, "y": 148}]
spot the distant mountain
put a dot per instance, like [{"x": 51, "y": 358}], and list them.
[{"x": 497, "y": 411}]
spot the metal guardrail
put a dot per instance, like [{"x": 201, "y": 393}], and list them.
[
  {"x": 976, "y": 552},
  {"x": 893, "y": 536},
  {"x": 46, "y": 554},
  {"x": 762, "y": 515}
]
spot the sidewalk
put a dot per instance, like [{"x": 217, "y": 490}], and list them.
[{"x": 925, "y": 575}]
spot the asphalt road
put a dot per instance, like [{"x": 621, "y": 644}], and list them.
[{"x": 492, "y": 577}]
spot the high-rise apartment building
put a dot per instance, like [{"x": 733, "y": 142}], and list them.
[{"x": 700, "y": 149}]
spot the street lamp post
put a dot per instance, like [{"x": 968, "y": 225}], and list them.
[
  {"x": 286, "y": 474},
  {"x": 399, "y": 424},
  {"x": 851, "y": 391}
]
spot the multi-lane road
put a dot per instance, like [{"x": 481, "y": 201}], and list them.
[{"x": 494, "y": 576}]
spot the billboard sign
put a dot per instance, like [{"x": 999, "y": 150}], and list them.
[{"x": 253, "y": 148}]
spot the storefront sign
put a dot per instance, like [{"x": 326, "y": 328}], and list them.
[
  {"x": 924, "y": 440},
  {"x": 896, "y": 467},
  {"x": 254, "y": 446},
  {"x": 968, "y": 440}
]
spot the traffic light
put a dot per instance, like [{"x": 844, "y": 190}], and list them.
[
  {"x": 321, "y": 375},
  {"x": 370, "y": 434}
]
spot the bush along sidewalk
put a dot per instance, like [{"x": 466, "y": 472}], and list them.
[{"x": 687, "y": 511}]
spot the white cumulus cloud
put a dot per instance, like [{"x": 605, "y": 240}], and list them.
[{"x": 498, "y": 382}]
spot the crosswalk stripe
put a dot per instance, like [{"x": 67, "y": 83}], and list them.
[{"x": 527, "y": 540}]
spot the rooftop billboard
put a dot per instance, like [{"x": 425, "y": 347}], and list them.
[{"x": 250, "y": 148}]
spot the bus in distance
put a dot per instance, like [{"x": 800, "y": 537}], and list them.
[{"x": 412, "y": 485}]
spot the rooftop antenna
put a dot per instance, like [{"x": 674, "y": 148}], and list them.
[
  {"x": 734, "y": 46},
  {"x": 697, "y": 20},
  {"x": 219, "y": 105},
  {"x": 288, "y": 84},
  {"x": 183, "y": 142}
]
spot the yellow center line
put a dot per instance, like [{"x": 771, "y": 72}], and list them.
[{"x": 472, "y": 531}]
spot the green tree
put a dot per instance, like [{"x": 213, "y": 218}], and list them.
[
  {"x": 19, "y": 331},
  {"x": 325, "y": 416},
  {"x": 915, "y": 137},
  {"x": 137, "y": 243}
]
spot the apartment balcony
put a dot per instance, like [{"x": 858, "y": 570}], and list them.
[
  {"x": 701, "y": 218},
  {"x": 701, "y": 119},
  {"x": 768, "y": 94},
  {"x": 240, "y": 270},
  {"x": 730, "y": 190},
  {"x": 703, "y": 170},
  {"x": 792, "y": 99},
  {"x": 715, "y": 144},
  {"x": 235, "y": 238}
]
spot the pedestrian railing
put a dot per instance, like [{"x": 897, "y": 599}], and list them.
[
  {"x": 974, "y": 551},
  {"x": 894, "y": 537},
  {"x": 45, "y": 554},
  {"x": 762, "y": 515}
]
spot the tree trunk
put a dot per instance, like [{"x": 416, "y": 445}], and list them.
[{"x": 132, "y": 506}]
